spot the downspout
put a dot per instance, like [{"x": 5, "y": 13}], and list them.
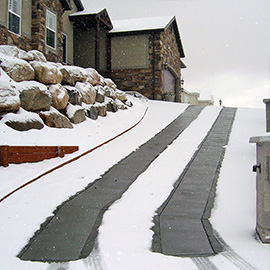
[
  {"x": 109, "y": 56},
  {"x": 153, "y": 67},
  {"x": 97, "y": 50}
]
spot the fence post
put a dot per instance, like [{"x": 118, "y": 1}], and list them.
[
  {"x": 4, "y": 150},
  {"x": 61, "y": 151}
]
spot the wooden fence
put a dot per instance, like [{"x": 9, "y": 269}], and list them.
[{"x": 21, "y": 154}]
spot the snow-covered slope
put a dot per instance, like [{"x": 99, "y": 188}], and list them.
[{"x": 234, "y": 212}]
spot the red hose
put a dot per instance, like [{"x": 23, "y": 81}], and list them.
[{"x": 73, "y": 159}]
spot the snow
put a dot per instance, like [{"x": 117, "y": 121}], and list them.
[
  {"x": 128, "y": 247},
  {"x": 140, "y": 24},
  {"x": 22, "y": 116}
]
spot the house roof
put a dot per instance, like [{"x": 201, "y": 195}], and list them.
[
  {"x": 87, "y": 18},
  {"x": 142, "y": 24},
  {"x": 67, "y": 6},
  {"x": 146, "y": 25}
]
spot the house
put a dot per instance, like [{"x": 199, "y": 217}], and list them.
[
  {"x": 190, "y": 97},
  {"x": 41, "y": 25},
  {"x": 138, "y": 54},
  {"x": 146, "y": 57}
]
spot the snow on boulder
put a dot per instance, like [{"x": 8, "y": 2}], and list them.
[
  {"x": 100, "y": 94},
  {"x": 75, "y": 97},
  {"x": 109, "y": 92},
  {"x": 75, "y": 113},
  {"x": 109, "y": 82},
  {"x": 9, "y": 100},
  {"x": 87, "y": 91},
  {"x": 60, "y": 96},
  {"x": 47, "y": 73},
  {"x": 14, "y": 52},
  {"x": 78, "y": 74},
  {"x": 34, "y": 96},
  {"x": 36, "y": 55},
  {"x": 93, "y": 76},
  {"x": 111, "y": 104},
  {"x": 128, "y": 103},
  {"x": 90, "y": 111},
  {"x": 23, "y": 120},
  {"x": 120, "y": 104},
  {"x": 9, "y": 96},
  {"x": 121, "y": 95},
  {"x": 67, "y": 78},
  {"x": 101, "y": 108},
  {"x": 54, "y": 118},
  {"x": 17, "y": 69}
]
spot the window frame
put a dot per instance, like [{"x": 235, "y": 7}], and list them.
[
  {"x": 51, "y": 14},
  {"x": 18, "y": 15}
]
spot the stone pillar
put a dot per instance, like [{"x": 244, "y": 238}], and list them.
[
  {"x": 262, "y": 186},
  {"x": 266, "y": 101}
]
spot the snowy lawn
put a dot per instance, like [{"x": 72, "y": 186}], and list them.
[{"x": 124, "y": 240}]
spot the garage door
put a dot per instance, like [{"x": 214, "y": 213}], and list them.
[{"x": 169, "y": 84}]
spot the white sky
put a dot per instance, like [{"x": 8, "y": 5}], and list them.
[{"x": 226, "y": 42}]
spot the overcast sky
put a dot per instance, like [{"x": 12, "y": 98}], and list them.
[{"x": 226, "y": 43}]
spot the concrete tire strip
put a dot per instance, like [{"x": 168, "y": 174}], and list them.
[
  {"x": 181, "y": 224},
  {"x": 71, "y": 233}
]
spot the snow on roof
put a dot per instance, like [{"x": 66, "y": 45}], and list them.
[
  {"x": 141, "y": 24},
  {"x": 87, "y": 12}
]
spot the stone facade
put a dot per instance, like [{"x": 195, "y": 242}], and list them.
[
  {"x": 38, "y": 34},
  {"x": 145, "y": 80},
  {"x": 39, "y": 28},
  {"x": 8, "y": 38}
]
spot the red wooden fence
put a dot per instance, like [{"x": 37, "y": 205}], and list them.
[{"x": 21, "y": 154}]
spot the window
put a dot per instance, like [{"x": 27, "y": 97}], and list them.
[
  {"x": 14, "y": 16},
  {"x": 64, "y": 48},
  {"x": 50, "y": 29}
]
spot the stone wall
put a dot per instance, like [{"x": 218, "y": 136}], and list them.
[{"x": 8, "y": 38}]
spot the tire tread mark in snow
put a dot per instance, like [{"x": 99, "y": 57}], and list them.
[
  {"x": 204, "y": 263},
  {"x": 232, "y": 256}
]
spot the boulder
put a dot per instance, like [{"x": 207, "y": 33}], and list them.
[
  {"x": 36, "y": 55},
  {"x": 120, "y": 104},
  {"x": 17, "y": 69},
  {"x": 67, "y": 78},
  {"x": 75, "y": 113},
  {"x": 75, "y": 97},
  {"x": 23, "y": 121},
  {"x": 100, "y": 94},
  {"x": 54, "y": 118},
  {"x": 34, "y": 96},
  {"x": 111, "y": 105},
  {"x": 60, "y": 96},
  {"x": 101, "y": 108},
  {"x": 91, "y": 112},
  {"x": 109, "y": 92},
  {"x": 47, "y": 73},
  {"x": 9, "y": 99},
  {"x": 87, "y": 91},
  {"x": 128, "y": 103},
  {"x": 78, "y": 74},
  {"x": 109, "y": 82},
  {"x": 121, "y": 95},
  {"x": 93, "y": 76},
  {"x": 14, "y": 52}
]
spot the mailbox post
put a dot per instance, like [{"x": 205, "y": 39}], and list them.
[{"x": 262, "y": 169}]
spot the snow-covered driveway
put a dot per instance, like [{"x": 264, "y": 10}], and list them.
[{"x": 22, "y": 213}]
